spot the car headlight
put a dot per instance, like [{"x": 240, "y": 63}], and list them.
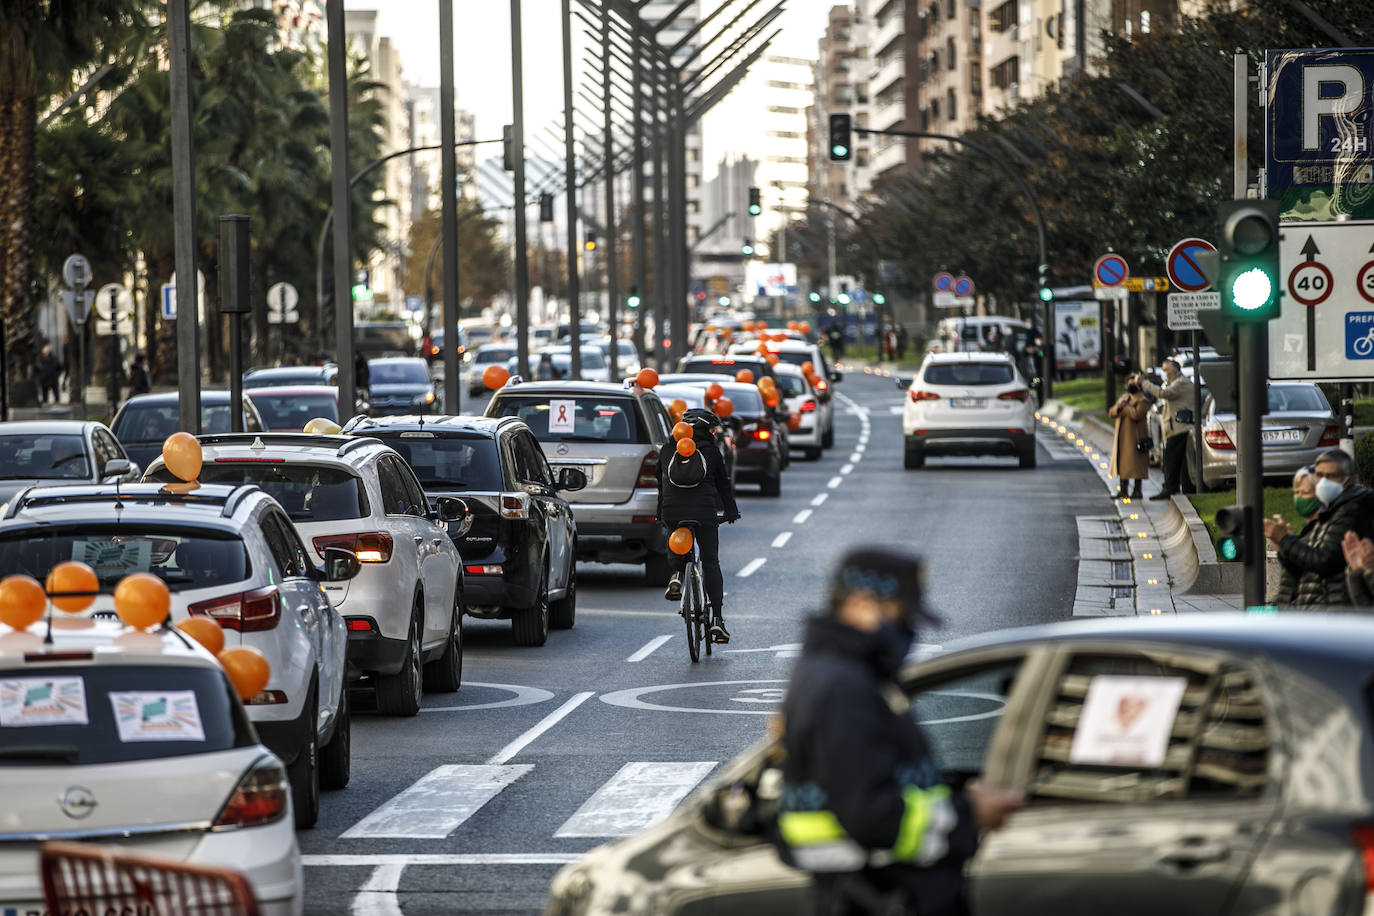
[{"x": 426, "y": 398}]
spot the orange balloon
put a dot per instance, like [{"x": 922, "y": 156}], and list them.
[
  {"x": 792, "y": 325},
  {"x": 772, "y": 359},
  {"x": 767, "y": 384},
  {"x": 771, "y": 398},
  {"x": 647, "y": 378},
  {"x": 181, "y": 454},
  {"x": 714, "y": 391},
  {"x": 744, "y": 377},
  {"x": 72, "y": 586},
  {"x": 686, "y": 447},
  {"x": 682, "y": 430},
  {"x": 247, "y": 669},
  {"x": 724, "y": 407},
  {"x": 794, "y": 421},
  {"x": 677, "y": 408},
  {"x": 22, "y": 601},
  {"x": 495, "y": 376},
  {"x": 808, "y": 368},
  {"x": 142, "y": 600},
  {"x": 805, "y": 327},
  {"x": 204, "y": 631},
  {"x": 680, "y": 542}
]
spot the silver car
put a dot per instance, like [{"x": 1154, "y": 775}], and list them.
[
  {"x": 1299, "y": 426},
  {"x": 58, "y": 453}
]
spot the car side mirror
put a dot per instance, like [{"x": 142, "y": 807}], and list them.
[
  {"x": 118, "y": 467},
  {"x": 903, "y": 383},
  {"x": 340, "y": 565},
  {"x": 836, "y": 375},
  {"x": 571, "y": 479}
]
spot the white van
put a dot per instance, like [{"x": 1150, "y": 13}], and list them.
[{"x": 976, "y": 333}]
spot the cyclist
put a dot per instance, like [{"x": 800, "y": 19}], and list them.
[{"x": 694, "y": 490}]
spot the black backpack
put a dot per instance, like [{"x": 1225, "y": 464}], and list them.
[{"x": 687, "y": 473}]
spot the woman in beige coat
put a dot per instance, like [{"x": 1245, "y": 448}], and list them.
[{"x": 1129, "y": 464}]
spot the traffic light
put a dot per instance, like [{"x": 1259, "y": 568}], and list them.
[
  {"x": 755, "y": 204},
  {"x": 546, "y": 208},
  {"x": 841, "y": 138},
  {"x": 814, "y": 296},
  {"x": 1232, "y": 523},
  {"x": 590, "y": 243},
  {"x": 1249, "y": 253},
  {"x": 508, "y": 147},
  {"x": 747, "y": 248},
  {"x": 1046, "y": 293},
  {"x": 879, "y": 299},
  {"x": 632, "y": 300}
]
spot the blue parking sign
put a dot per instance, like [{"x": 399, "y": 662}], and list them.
[{"x": 1359, "y": 335}]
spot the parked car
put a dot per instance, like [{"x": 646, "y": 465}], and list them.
[
  {"x": 404, "y": 610},
  {"x": 1299, "y": 426},
  {"x": 145, "y": 421},
  {"x": 695, "y": 396},
  {"x": 402, "y": 385},
  {"x": 207, "y": 792},
  {"x": 230, "y": 554},
  {"x": 519, "y": 547},
  {"x": 488, "y": 355},
  {"x": 288, "y": 408},
  {"x": 967, "y": 404},
  {"x": 277, "y": 376},
  {"x": 1248, "y": 792},
  {"x": 612, "y": 433},
  {"x": 59, "y": 453}
]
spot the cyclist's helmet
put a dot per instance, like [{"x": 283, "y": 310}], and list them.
[{"x": 701, "y": 420}]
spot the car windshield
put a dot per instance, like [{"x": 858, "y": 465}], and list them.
[
  {"x": 797, "y": 357},
  {"x": 155, "y": 422},
  {"x": 308, "y": 492},
  {"x": 554, "y": 418},
  {"x": 593, "y": 357},
  {"x": 183, "y": 557},
  {"x": 449, "y": 461},
  {"x": 304, "y": 376},
  {"x": 43, "y": 456},
  {"x": 293, "y": 411},
  {"x": 723, "y": 366},
  {"x": 407, "y": 373},
  {"x": 495, "y": 354},
  {"x": 96, "y": 714},
  {"x": 1298, "y": 397},
  {"x": 968, "y": 374}
]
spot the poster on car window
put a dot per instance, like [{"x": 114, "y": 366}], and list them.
[
  {"x": 157, "y": 715},
  {"x": 112, "y": 559},
  {"x": 562, "y": 416},
  {"x": 1126, "y": 721},
  {"x": 1078, "y": 335},
  {"x": 29, "y": 701}
]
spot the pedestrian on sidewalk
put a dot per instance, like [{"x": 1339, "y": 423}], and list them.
[
  {"x": 1313, "y": 563},
  {"x": 140, "y": 382},
  {"x": 49, "y": 371},
  {"x": 1176, "y": 392},
  {"x": 1130, "y": 442}
]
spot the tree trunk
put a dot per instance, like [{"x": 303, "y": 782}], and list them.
[{"x": 17, "y": 304}]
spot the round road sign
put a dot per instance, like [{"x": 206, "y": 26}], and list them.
[
  {"x": 963, "y": 286},
  {"x": 1364, "y": 281},
  {"x": 1182, "y": 265},
  {"x": 944, "y": 282},
  {"x": 1310, "y": 283},
  {"x": 1110, "y": 270}
]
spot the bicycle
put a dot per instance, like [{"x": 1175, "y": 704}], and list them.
[
  {"x": 693, "y": 601},
  {"x": 1365, "y": 345}
]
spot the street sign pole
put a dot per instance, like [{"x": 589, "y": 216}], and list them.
[
  {"x": 234, "y": 302},
  {"x": 1197, "y": 411},
  {"x": 1252, "y": 359}
]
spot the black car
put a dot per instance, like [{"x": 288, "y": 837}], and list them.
[
  {"x": 146, "y": 420},
  {"x": 401, "y": 385},
  {"x": 521, "y": 547},
  {"x": 727, "y": 365},
  {"x": 760, "y": 446}
]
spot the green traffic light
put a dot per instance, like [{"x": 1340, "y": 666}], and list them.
[
  {"x": 814, "y": 297},
  {"x": 1229, "y": 550},
  {"x": 1251, "y": 289},
  {"x": 724, "y": 300},
  {"x": 632, "y": 302},
  {"x": 844, "y": 299},
  {"x": 755, "y": 209},
  {"x": 1046, "y": 294},
  {"x": 839, "y": 151},
  {"x": 879, "y": 299}
]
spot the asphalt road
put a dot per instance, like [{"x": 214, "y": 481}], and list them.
[{"x": 546, "y": 752}]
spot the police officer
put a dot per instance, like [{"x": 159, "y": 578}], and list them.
[{"x": 863, "y": 806}]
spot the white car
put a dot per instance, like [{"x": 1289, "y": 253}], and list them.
[
  {"x": 140, "y": 744},
  {"x": 626, "y": 357},
  {"x": 488, "y": 355},
  {"x": 227, "y": 553},
  {"x": 814, "y": 415},
  {"x": 559, "y": 368},
  {"x": 404, "y": 610},
  {"x": 797, "y": 353},
  {"x": 967, "y": 404}
]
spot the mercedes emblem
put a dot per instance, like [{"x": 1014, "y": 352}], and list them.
[{"x": 562, "y": 448}]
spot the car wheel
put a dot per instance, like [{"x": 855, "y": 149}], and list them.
[
  {"x": 531, "y": 625},
  {"x": 771, "y": 486},
  {"x": 1027, "y": 456},
  {"x": 335, "y": 758},
  {"x": 399, "y": 694},
  {"x": 812, "y": 454},
  {"x": 657, "y": 569},
  {"x": 828, "y": 438},
  {"x": 304, "y": 772},
  {"x": 563, "y": 613},
  {"x": 912, "y": 457},
  {"x": 445, "y": 673}
]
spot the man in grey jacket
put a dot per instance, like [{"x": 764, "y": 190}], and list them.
[{"x": 1177, "y": 394}]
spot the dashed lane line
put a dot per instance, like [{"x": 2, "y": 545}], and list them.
[
  {"x": 834, "y": 482},
  {"x": 856, "y": 457},
  {"x": 847, "y": 469},
  {"x": 819, "y": 498},
  {"x": 801, "y": 517},
  {"x": 782, "y": 539},
  {"x": 649, "y": 648},
  {"x": 752, "y": 567}
]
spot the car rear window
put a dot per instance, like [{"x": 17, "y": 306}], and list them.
[
  {"x": 407, "y": 373},
  {"x": 155, "y": 422},
  {"x": 558, "y": 418},
  {"x": 797, "y": 358},
  {"x": 43, "y": 456},
  {"x": 495, "y": 355},
  {"x": 310, "y": 376},
  {"x": 455, "y": 462},
  {"x": 67, "y": 715},
  {"x": 308, "y": 492},
  {"x": 968, "y": 374},
  {"x": 726, "y": 366},
  {"x": 183, "y": 557},
  {"x": 1297, "y": 397},
  {"x": 792, "y": 385},
  {"x": 293, "y": 411}
]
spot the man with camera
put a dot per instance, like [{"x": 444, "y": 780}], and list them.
[{"x": 1176, "y": 392}]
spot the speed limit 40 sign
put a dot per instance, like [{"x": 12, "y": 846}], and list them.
[{"x": 1324, "y": 327}]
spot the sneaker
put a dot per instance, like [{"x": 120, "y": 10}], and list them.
[
  {"x": 674, "y": 590},
  {"x": 718, "y": 632}
]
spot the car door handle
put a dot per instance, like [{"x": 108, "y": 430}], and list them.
[{"x": 1191, "y": 852}]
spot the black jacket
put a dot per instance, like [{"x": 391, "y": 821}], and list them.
[
  {"x": 851, "y": 753},
  {"x": 1312, "y": 561},
  {"x": 699, "y": 503}
]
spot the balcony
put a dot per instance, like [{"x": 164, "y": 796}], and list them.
[
  {"x": 893, "y": 29},
  {"x": 894, "y": 71},
  {"x": 889, "y": 111},
  {"x": 889, "y": 157}
]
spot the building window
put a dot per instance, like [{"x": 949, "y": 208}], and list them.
[
  {"x": 951, "y": 8},
  {"x": 1004, "y": 17},
  {"x": 949, "y": 53},
  {"x": 952, "y": 105},
  {"x": 1007, "y": 73},
  {"x": 935, "y": 110}
]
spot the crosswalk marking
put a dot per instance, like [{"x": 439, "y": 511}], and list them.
[
  {"x": 640, "y": 795},
  {"x": 437, "y": 803}
]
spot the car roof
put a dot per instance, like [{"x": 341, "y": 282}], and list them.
[
  {"x": 103, "y": 639},
  {"x": 207, "y": 504},
  {"x": 291, "y": 370},
  {"x": 487, "y": 426},
  {"x": 979, "y": 357},
  {"x": 217, "y": 395},
  {"x": 515, "y": 386},
  {"x": 48, "y": 427},
  {"x": 788, "y": 369},
  {"x": 293, "y": 390},
  {"x": 305, "y": 445},
  {"x": 398, "y": 359}
]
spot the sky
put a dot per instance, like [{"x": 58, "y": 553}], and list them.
[{"x": 482, "y": 48}]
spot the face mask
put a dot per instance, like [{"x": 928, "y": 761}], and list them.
[
  {"x": 1307, "y": 506},
  {"x": 894, "y": 642},
  {"x": 1328, "y": 490}
]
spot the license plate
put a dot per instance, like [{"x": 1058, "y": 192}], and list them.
[
  {"x": 1280, "y": 435},
  {"x": 968, "y": 402}
]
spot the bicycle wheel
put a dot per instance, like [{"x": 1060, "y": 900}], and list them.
[
  {"x": 690, "y": 601},
  {"x": 703, "y": 611}
]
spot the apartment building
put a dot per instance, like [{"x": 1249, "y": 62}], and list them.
[
  {"x": 654, "y": 12},
  {"x": 949, "y": 74}
]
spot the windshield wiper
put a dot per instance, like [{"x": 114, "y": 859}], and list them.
[{"x": 48, "y": 753}]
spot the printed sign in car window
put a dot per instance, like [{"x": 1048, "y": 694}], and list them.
[
  {"x": 157, "y": 715},
  {"x": 562, "y": 416},
  {"x": 42, "y": 701},
  {"x": 1126, "y": 721},
  {"x": 112, "y": 559}
]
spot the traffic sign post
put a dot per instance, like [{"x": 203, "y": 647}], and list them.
[
  {"x": 1184, "y": 267},
  {"x": 1110, "y": 270},
  {"x": 1327, "y": 271},
  {"x": 115, "y": 308},
  {"x": 1183, "y": 309},
  {"x": 76, "y": 270}
]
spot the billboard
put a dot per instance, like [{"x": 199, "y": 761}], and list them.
[
  {"x": 770, "y": 279},
  {"x": 1078, "y": 335}
]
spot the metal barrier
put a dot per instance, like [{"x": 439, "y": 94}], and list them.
[{"x": 95, "y": 880}]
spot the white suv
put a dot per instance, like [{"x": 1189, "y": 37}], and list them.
[
  {"x": 404, "y": 611},
  {"x": 968, "y": 404},
  {"x": 227, "y": 553},
  {"x": 814, "y": 414}
]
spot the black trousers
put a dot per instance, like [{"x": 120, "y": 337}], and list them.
[
  {"x": 708, "y": 548},
  {"x": 1175, "y": 453}
]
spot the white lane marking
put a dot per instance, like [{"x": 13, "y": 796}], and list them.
[
  {"x": 819, "y": 498},
  {"x": 801, "y": 517},
  {"x": 548, "y": 722},
  {"x": 378, "y": 896},
  {"x": 631, "y": 699},
  {"x": 378, "y": 859},
  {"x": 782, "y": 539},
  {"x": 847, "y": 469},
  {"x": 524, "y": 696},
  {"x": 856, "y": 457},
  {"x": 786, "y": 650},
  {"x": 834, "y": 482},
  {"x": 649, "y": 648},
  {"x": 860, "y": 448},
  {"x": 436, "y": 803},
  {"x": 896, "y": 410},
  {"x": 751, "y": 567},
  {"x": 638, "y": 796}
]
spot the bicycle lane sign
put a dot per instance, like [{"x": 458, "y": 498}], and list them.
[
  {"x": 1325, "y": 330},
  {"x": 1359, "y": 335}
]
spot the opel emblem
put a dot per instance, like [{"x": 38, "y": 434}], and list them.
[
  {"x": 77, "y": 802},
  {"x": 562, "y": 448}
]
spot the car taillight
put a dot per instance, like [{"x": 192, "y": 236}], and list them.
[
  {"x": 259, "y": 798},
  {"x": 368, "y": 547},
  {"x": 1363, "y": 835},
  {"x": 246, "y": 612},
  {"x": 808, "y": 406},
  {"x": 822, "y": 384},
  {"x": 648, "y": 471},
  {"x": 360, "y": 624},
  {"x": 1216, "y": 438},
  {"x": 919, "y": 396},
  {"x": 1331, "y": 435},
  {"x": 515, "y": 505},
  {"x": 488, "y": 569},
  {"x": 763, "y": 435},
  {"x": 1020, "y": 394}
]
